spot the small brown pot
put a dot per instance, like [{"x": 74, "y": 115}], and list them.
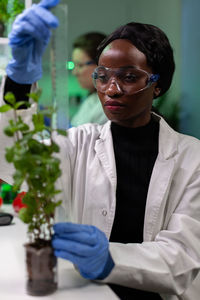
[{"x": 41, "y": 268}]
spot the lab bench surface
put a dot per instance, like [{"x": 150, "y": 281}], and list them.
[{"x": 13, "y": 271}]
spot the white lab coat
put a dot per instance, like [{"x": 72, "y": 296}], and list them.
[{"x": 168, "y": 260}]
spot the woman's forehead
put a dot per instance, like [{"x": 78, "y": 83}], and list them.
[{"x": 120, "y": 53}]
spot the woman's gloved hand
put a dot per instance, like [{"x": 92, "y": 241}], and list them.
[
  {"x": 85, "y": 246},
  {"x": 28, "y": 39}
]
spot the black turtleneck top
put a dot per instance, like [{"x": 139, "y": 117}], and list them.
[{"x": 135, "y": 150}]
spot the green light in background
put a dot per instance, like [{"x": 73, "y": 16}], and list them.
[{"x": 69, "y": 65}]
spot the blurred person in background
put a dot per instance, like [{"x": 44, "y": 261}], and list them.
[{"x": 83, "y": 56}]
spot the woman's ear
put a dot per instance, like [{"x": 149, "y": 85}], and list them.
[{"x": 157, "y": 91}]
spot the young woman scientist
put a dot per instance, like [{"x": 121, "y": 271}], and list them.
[{"x": 131, "y": 187}]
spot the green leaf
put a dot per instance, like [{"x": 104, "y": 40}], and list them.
[
  {"x": 5, "y": 108},
  {"x": 9, "y": 131},
  {"x": 49, "y": 208},
  {"x": 24, "y": 215},
  {"x": 48, "y": 111},
  {"x": 54, "y": 147},
  {"x": 22, "y": 127},
  {"x": 35, "y": 96},
  {"x": 10, "y": 98},
  {"x": 38, "y": 121},
  {"x": 58, "y": 202},
  {"x": 36, "y": 147},
  {"x": 9, "y": 154},
  {"x": 20, "y": 103},
  {"x": 18, "y": 180},
  {"x": 62, "y": 132},
  {"x": 29, "y": 200}
]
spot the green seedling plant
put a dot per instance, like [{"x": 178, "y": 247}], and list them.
[{"x": 35, "y": 163}]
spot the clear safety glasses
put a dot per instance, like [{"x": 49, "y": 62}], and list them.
[
  {"x": 129, "y": 79},
  {"x": 71, "y": 65}
]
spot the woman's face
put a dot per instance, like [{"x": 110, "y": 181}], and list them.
[
  {"x": 126, "y": 108},
  {"x": 82, "y": 71}
]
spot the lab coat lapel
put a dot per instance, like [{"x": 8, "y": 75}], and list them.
[
  {"x": 105, "y": 153},
  {"x": 157, "y": 196},
  {"x": 160, "y": 182}
]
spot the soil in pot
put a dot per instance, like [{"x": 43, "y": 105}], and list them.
[{"x": 41, "y": 268}]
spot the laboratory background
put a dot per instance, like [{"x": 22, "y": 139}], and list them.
[
  {"x": 180, "y": 106},
  {"x": 179, "y": 19}
]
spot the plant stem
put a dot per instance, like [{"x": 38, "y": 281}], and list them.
[{"x": 15, "y": 118}]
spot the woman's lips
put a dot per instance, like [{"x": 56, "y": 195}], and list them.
[{"x": 113, "y": 105}]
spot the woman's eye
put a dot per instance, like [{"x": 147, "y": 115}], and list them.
[
  {"x": 130, "y": 77},
  {"x": 102, "y": 77}
]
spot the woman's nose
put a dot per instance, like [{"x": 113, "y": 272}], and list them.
[{"x": 113, "y": 88}]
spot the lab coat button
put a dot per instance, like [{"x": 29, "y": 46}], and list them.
[{"x": 104, "y": 212}]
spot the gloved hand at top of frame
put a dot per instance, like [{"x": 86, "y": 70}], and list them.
[
  {"x": 85, "y": 246},
  {"x": 28, "y": 39}
]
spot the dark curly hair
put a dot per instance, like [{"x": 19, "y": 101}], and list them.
[
  {"x": 154, "y": 43},
  {"x": 89, "y": 43}
]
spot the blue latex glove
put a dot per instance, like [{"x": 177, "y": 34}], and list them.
[
  {"x": 85, "y": 246},
  {"x": 28, "y": 39}
]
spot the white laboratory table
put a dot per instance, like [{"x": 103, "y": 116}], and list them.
[{"x": 71, "y": 286}]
